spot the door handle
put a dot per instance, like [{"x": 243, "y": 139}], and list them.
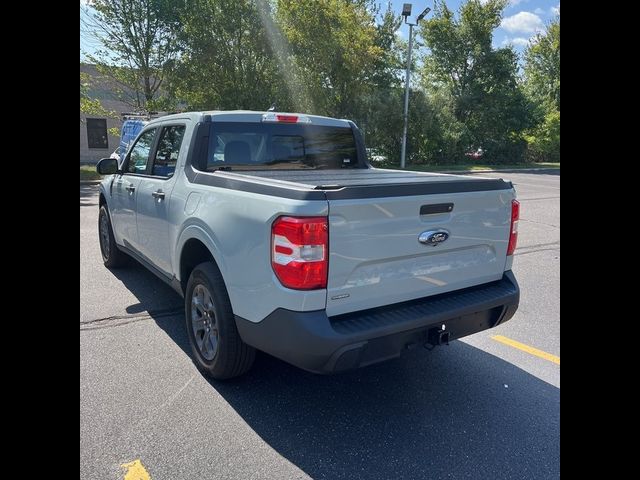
[
  {"x": 158, "y": 194},
  {"x": 130, "y": 188}
]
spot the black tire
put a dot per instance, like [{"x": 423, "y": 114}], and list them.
[
  {"x": 218, "y": 351},
  {"x": 111, "y": 254}
]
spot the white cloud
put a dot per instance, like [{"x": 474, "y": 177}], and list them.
[
  {"x": 525, "y": 22},
  {"x": 555, "y": 10},
  {"x": 512, "y": 3},
  {"x": 517, "y": 41},
  {"x": 539, "y": 11}
]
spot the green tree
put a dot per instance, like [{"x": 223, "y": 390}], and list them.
[
  {"x": 228, "y": 60},
  {"x": 543, "y": 142},
  {"x": 138, "y": 46},
  {"x": 542, "y": 66},
  {"x": 488, "y": 108},
  {"x": 389, "y": 60},
  {"x": 92, "y": 106},
  {"x": 542, "y": 84},
  {"x": 379, "y": 108},
  {"x": 88, "y": 105},
  {"x": 332, "y": 48}
]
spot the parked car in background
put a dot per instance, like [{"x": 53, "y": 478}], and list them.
[
  {"x": 475, "y": 154},
  {"x": 375, "y": 156},
  {"x": 116, "y": 154},
  {"x": 130, "y": 130}
]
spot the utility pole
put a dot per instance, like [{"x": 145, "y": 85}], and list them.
[{"x": 406, "y": 12}]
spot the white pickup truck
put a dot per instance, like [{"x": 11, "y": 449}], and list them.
[{"x": 281, "y": 237}]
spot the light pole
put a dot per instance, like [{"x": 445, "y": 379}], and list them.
[{"x": 406, "y": 12}]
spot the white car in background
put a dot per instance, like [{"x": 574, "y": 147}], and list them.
[
  {"x": 116, "y": 154},
  {"x": 374, "y": 156}
]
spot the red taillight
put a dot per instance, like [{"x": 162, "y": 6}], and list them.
[
  {"x": 299, "y": 250},
  {"x": 513, "y": 235}
]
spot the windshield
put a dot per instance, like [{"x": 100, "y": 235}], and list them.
[{"x": 275, "y": 145}]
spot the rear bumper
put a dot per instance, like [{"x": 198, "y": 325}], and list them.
[{"x": 317, "y": 343}]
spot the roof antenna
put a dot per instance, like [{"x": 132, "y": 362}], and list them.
[{"x": 272, "y": 108}]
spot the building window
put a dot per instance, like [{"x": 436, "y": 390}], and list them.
[{"x": 97, "y": 133}]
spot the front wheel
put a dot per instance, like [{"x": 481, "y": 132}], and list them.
[
  {"x": 217, "y": 348},
  {"x": 111, "y": 254}
]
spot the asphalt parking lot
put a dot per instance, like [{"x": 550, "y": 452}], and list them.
[{"x": 479, "y": 408}]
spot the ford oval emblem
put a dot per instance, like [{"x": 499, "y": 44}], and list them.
[{"x": 433, "y": 237}]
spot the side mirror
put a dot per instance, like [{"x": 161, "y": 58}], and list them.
[{"x": 107, "y": 166}]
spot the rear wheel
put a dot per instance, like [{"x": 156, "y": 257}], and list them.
[
  {"x": 111, "y": 254},
  {"x": 217, "y": 348}
]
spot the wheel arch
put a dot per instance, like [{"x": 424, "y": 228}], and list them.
[
  {"x": 195, "y": 246},
  {"x": 102, "y": 198}
]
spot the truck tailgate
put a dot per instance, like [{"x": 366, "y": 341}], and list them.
[
  {"x": 376, "y": 217},
  {"x": 376, "y": 258}
]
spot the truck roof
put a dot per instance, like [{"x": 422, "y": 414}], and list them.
[{"x": 249, "y": 116}]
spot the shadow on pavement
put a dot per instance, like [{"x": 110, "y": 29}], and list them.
[
  {"x": 444, "y": 414},
  {"x": 155, "y": 296},
  {"x": 456, "y": 412},
  {"x": 86, "y": 194}
]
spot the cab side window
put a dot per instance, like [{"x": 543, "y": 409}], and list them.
[
  {"x": 166, "y": 157},
  {"x": 139, "y": 156}
]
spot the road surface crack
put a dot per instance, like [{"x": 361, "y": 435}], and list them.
[{"x": 119, "y": 320}]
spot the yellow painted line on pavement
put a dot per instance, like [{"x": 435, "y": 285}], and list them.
[
  {"x": 527, "y": 348},
  {"x": 135, "y": 471}
]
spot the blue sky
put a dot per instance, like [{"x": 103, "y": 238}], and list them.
[{"x": 522, "y": 19}]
